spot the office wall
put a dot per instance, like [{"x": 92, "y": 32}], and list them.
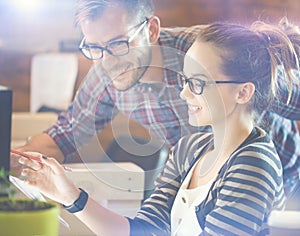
[
  {"x": 43, "y": 28},
  {"x": 187, "y": 12},
  {"x": 35, "y": 28}
]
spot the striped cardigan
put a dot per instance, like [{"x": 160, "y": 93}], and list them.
[{"x": 247, "y": 188}]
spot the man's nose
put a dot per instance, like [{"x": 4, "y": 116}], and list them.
[
  {"x": 106, "y": 54},
  {"x": 108, "y": 60}
]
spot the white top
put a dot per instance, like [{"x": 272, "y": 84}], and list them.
[{"x": 183, "y": 216}]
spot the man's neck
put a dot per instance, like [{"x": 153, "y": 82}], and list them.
[{"x": 155, "y": 72}]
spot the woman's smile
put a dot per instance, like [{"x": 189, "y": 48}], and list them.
[{"x": 193, "y": 109}]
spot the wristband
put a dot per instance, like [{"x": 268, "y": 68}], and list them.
[{"x": 79, "y": 203}]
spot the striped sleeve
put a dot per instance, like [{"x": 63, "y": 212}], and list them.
[
  {"x": 154, "y": 216},
  {"x": 250, "y": 188}
]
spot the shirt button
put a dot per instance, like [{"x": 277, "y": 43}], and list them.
[
  {"x": 183, "y": 199},
  {"x": 197, "y": 208}
]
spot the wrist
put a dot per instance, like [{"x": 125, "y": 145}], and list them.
[
  {"x": 71, "y": 197},
  {"x": 79, "y": 203}
]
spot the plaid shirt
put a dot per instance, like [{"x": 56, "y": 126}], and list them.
[
  {"x": 286, "y": 138},
  {"x": 160, "y": 109},
  {"x": 280, "y": 123}
]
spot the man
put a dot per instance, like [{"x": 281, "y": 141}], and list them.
[
  {"x": 144, "y": 66},
  {"x": 135, "y": 72}
]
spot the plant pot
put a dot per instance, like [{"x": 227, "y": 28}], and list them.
[{"x": 29, "y": 222}]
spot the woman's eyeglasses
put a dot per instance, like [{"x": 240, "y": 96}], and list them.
[{"x": 197, "y": 85}]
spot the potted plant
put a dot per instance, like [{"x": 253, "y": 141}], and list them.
[{"x": 26, "y": 217}]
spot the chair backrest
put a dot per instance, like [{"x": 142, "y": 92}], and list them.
[
  {"x": 151, "y": 156},
  {"x": 53, "y": 77}
]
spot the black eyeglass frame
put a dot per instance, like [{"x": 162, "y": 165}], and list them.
[
  {"x": 88, "y": 55},
  {"x": 183, "y": 80}
]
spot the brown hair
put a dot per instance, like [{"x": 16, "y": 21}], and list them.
[
  {"x": 137, "y": 10},
  {"x": 256, "y": 54}
]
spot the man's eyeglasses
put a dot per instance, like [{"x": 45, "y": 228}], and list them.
[
  {"x": 114, "y": 48},
  {"x": 197, "y": 85}
]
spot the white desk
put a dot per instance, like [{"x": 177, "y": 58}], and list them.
[
  {"x": 118, "y": 186},
  {"x": 79, "y": 229}
]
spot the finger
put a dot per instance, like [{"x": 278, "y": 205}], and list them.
[
  {"x": 53, "y": 164},
  {"x": 29, "y": 175},
  {"x": 30, "y": 163},
  {"x": 34, "y": 154}
]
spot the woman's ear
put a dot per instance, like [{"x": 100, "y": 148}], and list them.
[
  {"x": 154, "y": 29},
  {"x": 245, "y": 92}
]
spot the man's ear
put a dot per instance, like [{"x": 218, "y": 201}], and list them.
[
  {"x": 245, "y": 93},
  {"x": 154, "y": 29}
]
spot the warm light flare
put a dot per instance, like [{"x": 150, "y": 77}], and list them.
[{"x": 27, "y": 5}]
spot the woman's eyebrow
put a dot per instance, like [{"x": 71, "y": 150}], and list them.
[{"x": 199, "y": 75}]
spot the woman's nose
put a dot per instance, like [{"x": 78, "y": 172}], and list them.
[{"x": 186, "y": 92}]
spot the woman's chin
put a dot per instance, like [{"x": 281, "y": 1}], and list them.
[
  {"x": 193, "y": 123},
  {"x": 197, "y": 123}
]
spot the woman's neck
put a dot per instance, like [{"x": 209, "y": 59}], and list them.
[{"x": 228, "y": 135}]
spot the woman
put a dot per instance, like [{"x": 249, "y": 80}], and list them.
[{"x": 219, "y": 183}]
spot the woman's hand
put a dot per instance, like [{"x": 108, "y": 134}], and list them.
[
  {"x": 15, "y": 167},
  {"x": 50, "y": 178}
]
